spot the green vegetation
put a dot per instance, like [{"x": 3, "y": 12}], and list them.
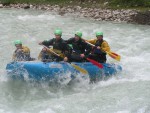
[
  {"x": 36, "y": 1},
  {"x": 130, "y": 3},
  {"x": 87, "y": 3}
]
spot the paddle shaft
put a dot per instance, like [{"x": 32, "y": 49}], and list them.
[
  {"x": 51, "y": 51},
  {"x": 93, "y": 61},
  {"x": 75, "y": 66},
  {"x": 112, "y": 54}
]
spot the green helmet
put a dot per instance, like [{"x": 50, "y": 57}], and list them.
[
  {"x": 58, "y": 32},
  {"x": 70, "y": 45},
  {"x": 17, "y": 42},
  {"x": 99, "y": 33},
  {"x": 79, "y": 34}
]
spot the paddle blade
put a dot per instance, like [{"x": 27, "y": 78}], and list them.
[
  {"x": 114, "y": 55},
  {"x": 79, "y": 69},
  {"x": 95, "y": 63}
]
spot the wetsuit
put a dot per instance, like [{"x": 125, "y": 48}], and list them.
[
  {"x": 59, "y": 46},
  {"x": 99, "y": 54},
  {"x": 23, "y": 55},
  {"x": 78, "y": 47}
]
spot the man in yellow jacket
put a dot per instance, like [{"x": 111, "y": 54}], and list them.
[
  {"x": 99, "y": 51},
  {"x": 22, "y": 53}
]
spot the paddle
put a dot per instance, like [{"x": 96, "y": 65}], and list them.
[
  {"x": 95, "y": 63},
  {"x": 90, "y": 60},
  {"x": 113, "y": 55},
  {"x": 110, "y": 53},
  {"x": 75, "y": 66}
]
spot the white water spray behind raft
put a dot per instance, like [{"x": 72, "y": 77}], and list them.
[{"x": 127, "y": 92}]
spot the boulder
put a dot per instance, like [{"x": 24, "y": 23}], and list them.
[
  {"x": 141, "y": 18},
  {"x": 1, "y": 5}
]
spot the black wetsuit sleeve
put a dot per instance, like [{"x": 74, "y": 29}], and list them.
[
  {"x": 48, "y": 43},
  {"x": 88, "y": 49},
  {"x": 64, "y": 46},
  {"x": 66, "y": 49},
  {"x": 69, "y": 41}
]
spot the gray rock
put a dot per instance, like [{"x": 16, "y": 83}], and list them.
[
  {"x": 97, "y": 14},
  {"x": 141, "y": 18},
  {"x": 27, "y": 7},
  {"x": 1, "y": 5},
  {"x": 77, "y": 8}
]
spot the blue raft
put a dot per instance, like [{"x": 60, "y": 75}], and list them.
[{"x": 52, "y": 70}]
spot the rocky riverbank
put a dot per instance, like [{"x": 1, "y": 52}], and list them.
[{"x": 98, "y": 14}]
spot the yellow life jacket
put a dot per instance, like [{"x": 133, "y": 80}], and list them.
[
  {"x": 104, "y": 45},
  {"x": 25, "y": 50}
]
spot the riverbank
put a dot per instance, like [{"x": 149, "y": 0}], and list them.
[{"x": 99, "y": 14}]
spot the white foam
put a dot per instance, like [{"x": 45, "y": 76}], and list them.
[
  {"x": 3, "y": 75},
  {"x": 130, "y": 41},
  {"x": 125, "y": 111},
  {"x": 143, "y": 110},
  {"x": 47, "y": 111},
  {"x": 36, "y": 17}
]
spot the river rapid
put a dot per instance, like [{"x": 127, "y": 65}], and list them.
[{"x": 126, "y": 92}]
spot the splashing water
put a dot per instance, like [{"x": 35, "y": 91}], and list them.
[{"x": 128, "y": 92}]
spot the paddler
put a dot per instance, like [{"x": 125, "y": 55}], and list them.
[
  {"x": 98, "y": 52},
  {"x": 59, "y": 47},
  {"x": 22, "y": 53},
  {"x": 79, "y": 48}
]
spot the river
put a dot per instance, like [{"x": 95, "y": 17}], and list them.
[{"x": 126, "y": 92}]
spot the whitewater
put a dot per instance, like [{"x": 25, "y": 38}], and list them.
[{"x": 125, "y": 92}]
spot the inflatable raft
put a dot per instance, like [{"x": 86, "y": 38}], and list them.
[{"x": 53, "y": 70}]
